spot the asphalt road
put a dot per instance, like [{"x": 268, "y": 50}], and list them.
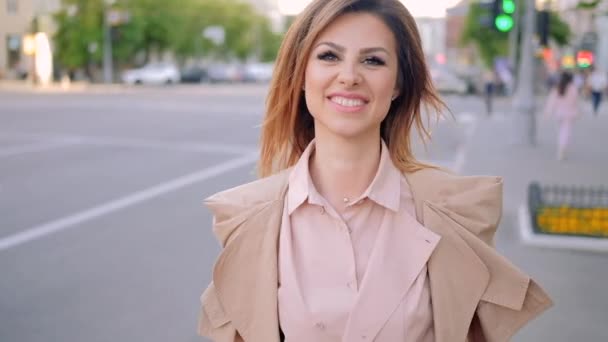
[{"x": 103, "y": 236}]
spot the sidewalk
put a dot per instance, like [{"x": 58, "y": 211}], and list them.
[
  {"x": 576, "y": 280},
  {"x": 83, "y": 87},
  {"x": 26, "y": 86}
]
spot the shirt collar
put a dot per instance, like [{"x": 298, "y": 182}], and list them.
[
  {"x": 300, "y": 182},
  {"x": 385, "y": 188}
]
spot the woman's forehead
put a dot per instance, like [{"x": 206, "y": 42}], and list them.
[{"x": 358, "y": 30}]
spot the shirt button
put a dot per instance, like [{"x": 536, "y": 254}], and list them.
[
  {"x": 322, "y": 210},
  {"x": 320, "y": 326}
]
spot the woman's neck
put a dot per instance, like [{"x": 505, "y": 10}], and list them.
[{"x": 343, "y": 168}]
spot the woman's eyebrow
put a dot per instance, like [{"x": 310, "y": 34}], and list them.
[{"x": 362, "y": 51}]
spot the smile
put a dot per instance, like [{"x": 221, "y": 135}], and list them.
[{"x": 346, "y": 102}]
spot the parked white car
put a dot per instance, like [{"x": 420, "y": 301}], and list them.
[
  {"x": 258, "y": 72},
  {"x": 447, "y": 82},
  {"x": 153, "y": 73}
]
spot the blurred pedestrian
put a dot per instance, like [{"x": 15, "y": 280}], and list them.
[
  {"x": 489, "y": 81},
  {"x": 597, "y": 83},
  {"x": 579, "y": 80},
  {"x": 347, "y": 237},
  {"x": 562, "y": 104}
]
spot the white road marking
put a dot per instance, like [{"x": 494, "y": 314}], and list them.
[
  {"x": 74, "y": 221},
  {"x": 33, "y": 147},
  {"x": 461, "y": 153},
  {"x": 237, "y": 149}
]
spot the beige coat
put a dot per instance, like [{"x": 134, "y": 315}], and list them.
[{"x": 477, "y": 295}]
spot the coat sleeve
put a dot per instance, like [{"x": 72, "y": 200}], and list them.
[{"x": 512, "y": 298}]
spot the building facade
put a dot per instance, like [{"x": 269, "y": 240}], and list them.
[{"x": 16, "y": 21}]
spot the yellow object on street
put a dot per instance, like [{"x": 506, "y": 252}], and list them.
[{"x": 573, "y": 221}]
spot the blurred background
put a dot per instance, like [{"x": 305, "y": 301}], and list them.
[{"x": 118, "y": 117}]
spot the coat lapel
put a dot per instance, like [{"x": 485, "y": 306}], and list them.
[
  {"x": 245, "y": 275},
  {"x": 399, "y": 255},
  {"x": 458, "y": 278}
]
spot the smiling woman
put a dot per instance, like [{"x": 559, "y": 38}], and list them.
[{"x": 346, "y": 236}]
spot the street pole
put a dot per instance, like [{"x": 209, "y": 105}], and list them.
[
  {"x": 513, "y": 37},
  {"x": 107, "y": 45},
  {"x": 523, "y": 102}
]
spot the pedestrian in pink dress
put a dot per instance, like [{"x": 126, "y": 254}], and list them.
[{"x": 562, "y": 104}]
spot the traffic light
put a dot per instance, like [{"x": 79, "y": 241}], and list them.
[{"x": 504, "y": 11}]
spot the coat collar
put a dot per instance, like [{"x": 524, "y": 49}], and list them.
[{"x": 247, "y": 223}]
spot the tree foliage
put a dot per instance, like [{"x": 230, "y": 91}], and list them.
[
  {"x": 559, "y": 30},
  {"x": 477, "y": 30},
  {"x": 157, "y": 26},
  {"x": 491, "y": 43}
]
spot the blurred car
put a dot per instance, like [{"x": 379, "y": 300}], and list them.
[
  {"x": 258, "y": 72},
  {"x": 194, "y": 74},
  {"x": 447, "y": 82},
  {"x": 153, "y": 73},
  {"x": 225, "y": 72}
]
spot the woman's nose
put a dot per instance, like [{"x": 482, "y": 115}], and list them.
[{"x": 349, "y": 74}]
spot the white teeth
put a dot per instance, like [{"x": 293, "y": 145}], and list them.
[{"x": 343, "y": 101}]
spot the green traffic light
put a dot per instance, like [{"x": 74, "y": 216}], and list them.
[
  {"x": 508, "y": 6},
  {"x": 504, "y": 23}
]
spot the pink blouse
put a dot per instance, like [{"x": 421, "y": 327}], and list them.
[
  {"x": 328, "y": 263},
  {"x": 563, "y": 107}
]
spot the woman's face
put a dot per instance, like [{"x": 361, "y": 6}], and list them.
[{"x": 351, "y": 76}]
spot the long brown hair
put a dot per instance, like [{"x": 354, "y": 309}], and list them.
[
  {"x": 564, "y": 80},
  {"x": 288, "y": 126}
]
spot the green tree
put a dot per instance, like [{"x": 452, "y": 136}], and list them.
[
  {"x": 492, "y": 44},
  {"x": 156, "y": 26},
  {"x": 559, "y": 30},
  {"x": 489, "y": 42},
  {"x": 79, "y": 29}
]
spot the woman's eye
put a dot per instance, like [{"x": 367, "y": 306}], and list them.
[
  {"x": 373, "y": 61},
  {"x": 328, "y": 56}
]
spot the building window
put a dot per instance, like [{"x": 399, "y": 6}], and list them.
[
  {"x": 13, "y": 54},
  {"x": 12, "y": 6}
]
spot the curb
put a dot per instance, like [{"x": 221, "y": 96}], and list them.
[{"x": 529, "y": 237}]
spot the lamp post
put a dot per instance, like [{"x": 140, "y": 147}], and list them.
[
  {"x": 107, "y": 42},
  {"x": 523, "y": 100}
]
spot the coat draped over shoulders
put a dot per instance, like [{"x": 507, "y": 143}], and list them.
[{"x": 477, "y": 294}]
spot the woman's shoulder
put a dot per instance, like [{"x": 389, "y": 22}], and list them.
[
  {"x": 258, "y": 191},
  {"x": 474, "y": 201},
  {"x": 439, "y": 185},
  {"x": 234, "y": 206}
]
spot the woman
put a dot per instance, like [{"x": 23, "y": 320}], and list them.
[
  {"x": 562, "y": 104},
  {"x": 347, "y": 237}
]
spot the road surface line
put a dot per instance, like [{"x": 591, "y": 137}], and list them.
[
  {"x": 461, "y": 153},
  {"x": 34, "y": 147},
  {"x": 74, "y": 220}
]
